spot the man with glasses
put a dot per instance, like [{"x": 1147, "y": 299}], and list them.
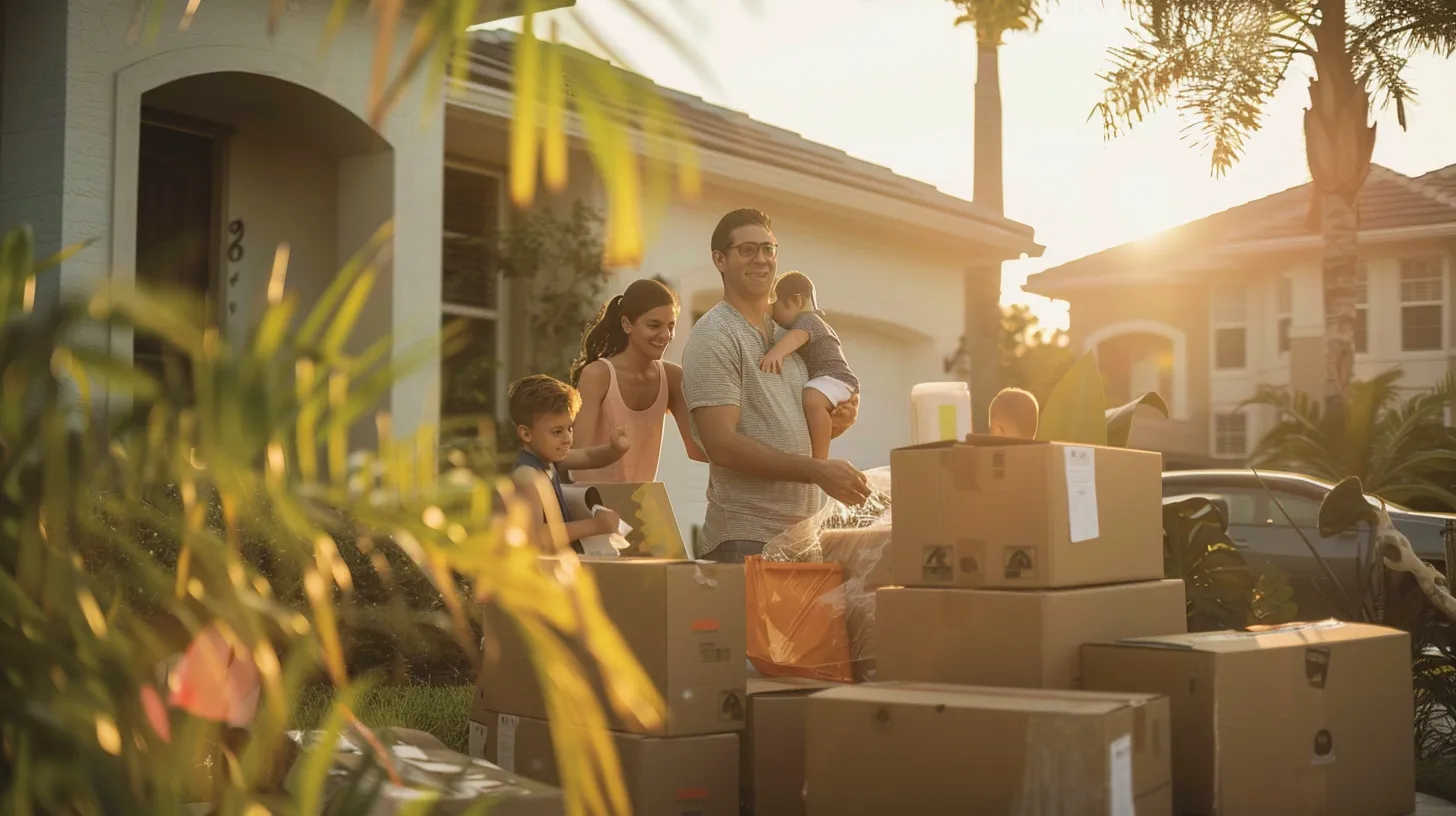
[{"x": 762, "y": 478}]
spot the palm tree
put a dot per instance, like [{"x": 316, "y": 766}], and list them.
[
  {"x": 1400, "y": 448},
  {"x": 1222, "y": 61},
  {"x": 991, "y": 19}
]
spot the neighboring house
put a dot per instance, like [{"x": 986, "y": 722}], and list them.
[
  {"x": 1205, "y": 312},
  {"x": 192, "y": 158}
]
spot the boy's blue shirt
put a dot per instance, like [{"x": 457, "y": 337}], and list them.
[{"x": 528, "y": 459}]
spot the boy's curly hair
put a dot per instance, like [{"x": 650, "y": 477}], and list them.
[{"x": 538, "y": 395}]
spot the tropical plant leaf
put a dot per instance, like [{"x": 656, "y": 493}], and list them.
[
  {"x": 1119, "y": 419},
  {"x": 1076, "y": 411}
]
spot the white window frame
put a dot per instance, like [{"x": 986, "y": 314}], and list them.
[
  {"x": 1402, "y": 303},
  {"x": 1213, "y": 432},
  {"x": 499, "y": 314},
  {"x": 1283, "y": 310},
  {"x": 1215, "y": 324}
]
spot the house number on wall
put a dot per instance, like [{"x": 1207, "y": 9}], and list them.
[{"x": 234, "y": 254}]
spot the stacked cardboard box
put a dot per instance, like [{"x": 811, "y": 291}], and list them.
[
  {"x": 1012, "y": 554},
  {"x": 684, "y": 621}
]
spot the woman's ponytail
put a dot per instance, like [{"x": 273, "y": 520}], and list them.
[{"x": 604, "y": 338}]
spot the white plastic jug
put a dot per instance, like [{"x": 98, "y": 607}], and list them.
[{"x": 939, "y": 411}]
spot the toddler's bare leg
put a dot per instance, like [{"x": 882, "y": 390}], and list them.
[{"x": 821, "y": 428}]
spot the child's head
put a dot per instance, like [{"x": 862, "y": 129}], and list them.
[
  {"x": 543, "y": 409},
  {"x": 1014, "y": 412},
  {"x": 793, "y": 295}
]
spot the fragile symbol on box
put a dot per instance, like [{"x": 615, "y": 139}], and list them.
[
  {"x": 1020, "y": 562},
  {"x": 937, "y": 566},
  {"x": 1316, "y": 665},
  {"x": 731, "y": 706},
  {"x": 1324, "y": 747}
]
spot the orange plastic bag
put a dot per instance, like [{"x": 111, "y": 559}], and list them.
[{"x": 796, "y": 620}]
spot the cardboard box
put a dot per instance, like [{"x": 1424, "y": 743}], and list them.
[
  {"x": 1309, "y": 718},
  {"x": 685, "y": 621},
  {"x": 1029, "y": 639},
  {"x": 774, "y": 745},
  {"x": 929, "y": 748},
  {"x": 426, "y": 768},
  {"x": 645, "y": 507},
  {"x": 992, "y": 512},
  {"x": 664, "y": 776}
]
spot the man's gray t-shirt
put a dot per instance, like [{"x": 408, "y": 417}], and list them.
[{"x": 720, "y": 367}]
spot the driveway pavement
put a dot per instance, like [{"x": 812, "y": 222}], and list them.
[{"x": 1431, "y": 806}]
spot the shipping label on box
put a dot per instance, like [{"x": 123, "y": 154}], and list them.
[
  {"x": 991, "y": 512},
  {"x": 934, "y": 748},
  {"x": 1307, "y": 718},
  {"x": 664, "y": 776},
  {"x": 1025, "y": 638},
  {"x": 684, "y": 621}
]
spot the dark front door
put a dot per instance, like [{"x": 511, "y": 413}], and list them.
[{"x": 175, "y": 227}]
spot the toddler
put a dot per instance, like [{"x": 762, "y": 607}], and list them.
[
  {"x": 543, "y": 409},
  {"x": 1014, "y": 412},
  {"x": 831, "y": 383}
]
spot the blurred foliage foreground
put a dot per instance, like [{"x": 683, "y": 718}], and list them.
[{"x": 138, "y": 677}]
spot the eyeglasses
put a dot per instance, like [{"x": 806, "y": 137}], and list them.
[{"x": 749, "y": 250}]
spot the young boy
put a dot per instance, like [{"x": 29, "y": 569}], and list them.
[
  {"x": 1014, "y": 412},
  {"x": 543, "y": 409},
  {"x": 796, "y": 310}
]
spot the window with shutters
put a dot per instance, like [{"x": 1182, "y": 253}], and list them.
[
  {"x": 1422, "y": 307},
  {"x": 1229, "y": 319},
  {"x": 471, "y": 369},
  {"x": 1231, "y": 435}
]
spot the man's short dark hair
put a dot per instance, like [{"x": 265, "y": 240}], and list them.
[
  {"x": 723, "y": 235},
  {"x": 538, "y": 395}
]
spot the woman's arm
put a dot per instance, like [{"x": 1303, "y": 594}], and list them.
[
  {"x": 595, "y": 380},
  {"x": 677, "y": 403}
]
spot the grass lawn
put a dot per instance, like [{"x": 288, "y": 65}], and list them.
[{"x": 438, "y": 710}]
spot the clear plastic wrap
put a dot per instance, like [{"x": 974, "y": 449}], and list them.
[{"x": 858, "y": 539}]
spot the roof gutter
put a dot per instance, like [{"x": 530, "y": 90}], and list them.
[
  {"x": 738, "y": 172},
  {"x": 1173, "y": 273}
]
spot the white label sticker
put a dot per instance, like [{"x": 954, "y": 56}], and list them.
[
  {"x": 409, "y": 752},
  {"x": 1081, "y": 468},
  {"x": 475, "y": 744},
  {"x": 505, "y": 749},
  {"x": 1119, "y": 776}
]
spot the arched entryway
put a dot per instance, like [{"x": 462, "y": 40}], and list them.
[{"x": 1138, "y": 356}]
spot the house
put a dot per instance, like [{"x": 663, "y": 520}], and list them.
[
  {"x": 1205, "y": 312},
  {"x": 192, "y": 158}
]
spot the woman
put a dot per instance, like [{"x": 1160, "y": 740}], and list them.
[{"x": 624, "y": 382}]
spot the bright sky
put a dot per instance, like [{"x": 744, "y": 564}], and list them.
[{"x": 890, "y": 81}]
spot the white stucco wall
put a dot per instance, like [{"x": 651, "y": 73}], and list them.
[{"x": 73, "y": 84}]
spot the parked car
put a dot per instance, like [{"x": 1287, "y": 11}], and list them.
[{"x": 1266, "y": 537}]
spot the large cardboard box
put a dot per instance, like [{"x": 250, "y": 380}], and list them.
[
  {"x": 992, "y": 512},
  {"x": 930, "y": 748},
  {"x": 683, "y": 620},
  {"x": 644, "y": 506},
  {"x": 774, "y": 745},
  {"x": 1028, "y": 639},
  {"x": 1309, "y": 718},
  {"x": 664, "y": 776}
]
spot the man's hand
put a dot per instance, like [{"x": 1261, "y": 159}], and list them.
[
  {"x": 843, "y": 417},
  {"x": 773, "y": 362},
  {"x": 619, "y": 440},
  {"x": 843, "y": 482},
  {"x": 608, "y": 521}
]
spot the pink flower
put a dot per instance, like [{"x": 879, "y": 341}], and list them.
[
  {"x": 156, "y": 712},
  {"x": 215, "y": 680}
]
